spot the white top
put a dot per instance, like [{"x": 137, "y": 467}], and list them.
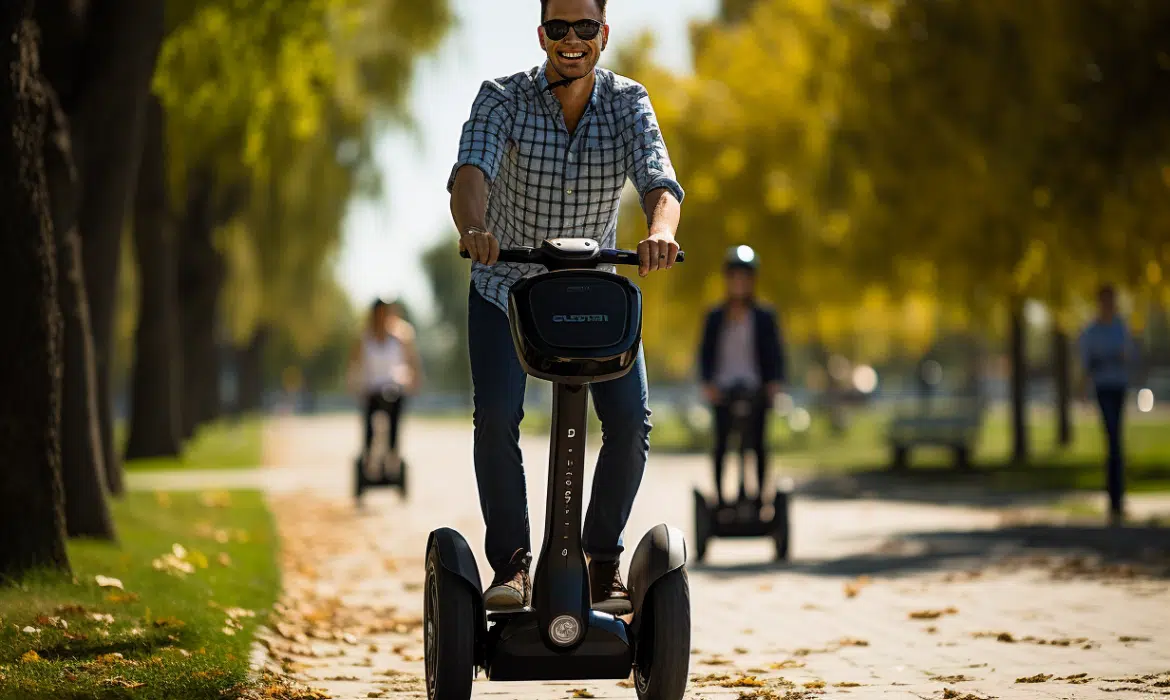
[
  {"x": 735, "y": 361},
  {"x": 383, "y": 363}
]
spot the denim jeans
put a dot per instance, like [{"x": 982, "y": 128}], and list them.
[
  {"x": 499, "y": 381},
  {"x": 1112, "y": 403}
]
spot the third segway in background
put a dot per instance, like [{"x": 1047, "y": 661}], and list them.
[
  {"x": 573, "y": 326},
  {"x": 381, "y": 466},
  {"x": 746, "y": 517}
]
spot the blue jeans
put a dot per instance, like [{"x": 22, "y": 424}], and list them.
[
  {"x": 1111, "y": 400},
  {"x": 621, "y": 404}
]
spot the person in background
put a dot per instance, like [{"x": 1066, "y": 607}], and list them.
[
  {"x": 385, "y": 368},
  {"x": 741, "y": 347},
  {"x": 1109, "y": 355}
]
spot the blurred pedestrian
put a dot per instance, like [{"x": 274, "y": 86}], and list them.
[
  {"x": 1109, "y": 355},
  {"x": 385, "y": 368},
  {"x": 741, "y": 350}
]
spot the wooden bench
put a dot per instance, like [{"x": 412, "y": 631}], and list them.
[{"x": 949, "y": 423}]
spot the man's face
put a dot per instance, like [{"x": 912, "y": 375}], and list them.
[
  {"x": 573, "y": 57},
  {"x": 741, "y": 284},
  {"x": 1106, "y": 305}
]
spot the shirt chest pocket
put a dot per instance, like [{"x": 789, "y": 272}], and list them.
[{"x": 603, "y": 161}]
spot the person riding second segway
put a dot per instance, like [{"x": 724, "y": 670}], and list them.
[
  {"x": 385, "y": 369},
  {"x": 741, "y": 351}
]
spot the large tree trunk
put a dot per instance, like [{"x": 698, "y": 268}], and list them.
[
  {"x": 250, "y": 372},
  {"x": 124, "y": 38},
  {"x": 202, "y": 273},
  {"x": 82, "y": 468},
  {"x": 1063, "y": 380},
  {"x": 32, "y": 522},
  {"x": 1019, "y": 384},
  {"x": 155, "y": 427}
]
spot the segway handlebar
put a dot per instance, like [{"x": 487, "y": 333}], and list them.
[{"x": 567, "y": 251}]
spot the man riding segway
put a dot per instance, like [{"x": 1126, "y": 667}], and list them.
[
  {"x": 742, "y": 367},
  {"x": 535, "y": 195}
]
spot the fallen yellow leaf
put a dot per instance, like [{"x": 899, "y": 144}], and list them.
[
  {"x": 108, "y": 582},
  {"x": 29, "y": 657}
]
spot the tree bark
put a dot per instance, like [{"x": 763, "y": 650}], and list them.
[
  {"x": 250, "y": 372},
  {"x": 87, "y": 513},
  {"x": 32, "y": 522},
  {"x": 1019, "y": 384},
  {"x": 202, "y": 273},
  {"x": 1063, "y": 380},
  {"x": 155, "y": 427},
  {"x": 124, "y": 38}
]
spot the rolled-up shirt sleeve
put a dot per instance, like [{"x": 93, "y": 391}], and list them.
[
  {"x": 485, "y": 133},
  {"x": 649, "y": 166}
]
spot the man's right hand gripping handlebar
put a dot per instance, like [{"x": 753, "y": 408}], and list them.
[{"x": 480, "y": 245}]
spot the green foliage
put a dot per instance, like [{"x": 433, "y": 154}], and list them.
[
  {"x": 443, "y": 345},
  {"x": 911, "y": 165},
  {"x": 283, "y": 97}
]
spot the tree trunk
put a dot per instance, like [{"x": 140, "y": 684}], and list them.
[
  {"x": 155, "y": 428},
  {"x": 1019, "y": 384},
  {"x": 32, "y": 522},
  {"x": 124, "y": 38},
  {"x": 83, "y": 472},
  {"x": 1063, "y": 381},
  {"x": 202, "y": 273},
  {"x": 250, "y": 372}
]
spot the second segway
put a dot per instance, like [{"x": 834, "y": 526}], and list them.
[
  {"x": 381, "y": 466},
  {"x": 745, "y": 517}
]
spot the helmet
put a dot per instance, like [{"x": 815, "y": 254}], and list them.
[{"x": 741, "y": 257}]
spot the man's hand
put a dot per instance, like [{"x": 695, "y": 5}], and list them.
[
  {"x": 658, "y": 252},
  {"x": 481, "y": 245},
  {"x": 712, "y": 394}
]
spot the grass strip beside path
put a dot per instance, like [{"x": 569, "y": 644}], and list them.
[
  {"x": 197, "y": 573},
  {"x": 224, "y": 444}
]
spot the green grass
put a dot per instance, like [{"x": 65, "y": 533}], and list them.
[
  {"x": 863, "y": 447},
  {"x": 169, "y": 629},
  {"x": 221, "y": 445}
]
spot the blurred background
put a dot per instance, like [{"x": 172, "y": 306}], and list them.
[{"x": 935, "y": 189}]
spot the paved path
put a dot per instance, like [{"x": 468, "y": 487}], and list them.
[{"x": 881, "y": 599}]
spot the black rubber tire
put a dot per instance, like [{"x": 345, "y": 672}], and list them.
[
  {"x": 780, "y": 526},
  {"x": 901, "y": 458},
  {"x": 703, "y": 516},
  {"x": 962, "y": 457},
  {"x": 663, "y": 652},
  {"x": 449, "y": 632}
]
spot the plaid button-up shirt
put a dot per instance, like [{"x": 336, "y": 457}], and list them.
[{"x": 547, "y": 183}]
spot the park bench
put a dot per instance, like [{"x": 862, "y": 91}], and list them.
[{"x": 952, "y": 423}]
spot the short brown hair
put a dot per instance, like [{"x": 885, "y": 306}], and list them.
[{"x": 544, "y": 8}]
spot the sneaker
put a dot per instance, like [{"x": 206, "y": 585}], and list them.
[
  {"x": 512, "y": 586},
  {"x": 606, "y": 589}
]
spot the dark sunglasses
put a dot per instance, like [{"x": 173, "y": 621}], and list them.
[{"x": 557, "y": 29}]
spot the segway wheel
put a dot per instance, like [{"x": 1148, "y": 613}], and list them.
[
  {"x": 663, "y": 651},
  {"x": 780, "y": 531},
  {"x": 703, "y": 517},
  {"x": 449, "y": 631}
]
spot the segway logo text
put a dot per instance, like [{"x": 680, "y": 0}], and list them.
[{"x": 581, "y": 318}]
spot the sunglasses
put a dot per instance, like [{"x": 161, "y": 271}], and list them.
[{"x": 557, "y": 29}]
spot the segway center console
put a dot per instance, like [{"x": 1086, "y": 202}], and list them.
[
  {"x": 572, "y": 326},
  {"x": 380, "y": 467},
  {"x": 745, "y": 517}
]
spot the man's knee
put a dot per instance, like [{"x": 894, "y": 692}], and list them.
[
  {"x": 495, "y": 418},
  {"x": 629, "y": 425}
]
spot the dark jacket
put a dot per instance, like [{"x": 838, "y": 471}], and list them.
[{"x": 769, "y": 345}]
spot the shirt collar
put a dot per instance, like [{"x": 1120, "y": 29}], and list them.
[{"x": 542, "y": 84}]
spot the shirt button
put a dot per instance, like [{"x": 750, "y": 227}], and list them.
[{"x": 569, "y": 191}]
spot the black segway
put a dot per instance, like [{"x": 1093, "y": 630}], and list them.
[
  {"x": 374, "y": 467},
  {"x": 572, "y": 326},
  {"x": 746, "y": 517}
]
